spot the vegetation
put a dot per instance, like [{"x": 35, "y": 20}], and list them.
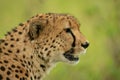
[{"x": 100, "y": 22}]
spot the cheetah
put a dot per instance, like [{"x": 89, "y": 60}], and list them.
[{"x": 33, "y": 48}]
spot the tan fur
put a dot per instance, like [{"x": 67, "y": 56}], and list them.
[{"x": 34, "y": 47}]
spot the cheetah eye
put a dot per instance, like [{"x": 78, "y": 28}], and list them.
[{"x": 68, "y": 30}]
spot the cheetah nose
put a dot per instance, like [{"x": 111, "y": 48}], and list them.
[{"x": 85, "y": 45}]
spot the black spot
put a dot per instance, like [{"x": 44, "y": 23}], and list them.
[
  {"x": 8, "y": 72},
  {"x": 14, "y": 30},
  {"x": 39, "y": 77},
  {"x": 46, "y": 40},
  {"x": 18, "y": 51},
  {"x": 1, "y": 40},
  {"x": 0, "y": 50},
  {"x": 18, "y": 67},
  {"x": 25, "y": 62},
  {"x": 41, "y": 65},
  {"x": 30, "y": 70},
  {"x": 52, "y": 46},
  {"x": 24, "y": 28},
  {"x": 26, "y": 74},
  {"x": 20, "y": 33},
  {"x": 21, "y": 60},
  {"x": 3, "y": 47},
  {"x": 32, "y": 16},
  {"x": 47, "y": 21},
  {"x": 5, "y": 34},
  {"x": 53, "y": 41},
  {"x": 13, "y": 66},
  {"x": 12, "y": 39},
  {"x": 24, "y": 41},
  {"x": 37, "y": 15},
  {"x": 27, "y": 71},
  {"x": 9, "y": 68},
  {"x": 21, "y": 24},
  {"x": 17, "y": 39},
  {"x": 9, "y": 51},
  {"x": 35, "y": 76},
  {"x": 23, "y": 56},
  {"x": 23, "y": 78},
  {"x": 6, "y": 44},
  {"x": 11, "y": 45},
  {"x": 1, "y": 62},
  {"x": 1, "y": 77},
  {"x": 24, "y": 49},
  {"x": 23, "y": 65},
  {"x": 21, "y": 71},
  {"x": 16, "y": 71},
  {"x": 7, "y": 78},
  {"x": 46, "y": 16},
  {"x": 50, "y": 38},
  {"x": 46, "y": 49},
  {"x": 2, "y": 68},
  {"x": 15, "y": 59},
  {"x": 8, "y": 33},
  {"x": 11, "y": 35},
  {"x": 29, "y": 63},
  {"x": 41, "y": 52},
  {"x": 31, "y": 57},
  {"x": 31, "y": 78},
  {"x": 6, "y": 54},
  {"x": 40, "y": 16},
  {"x": 48, "y": 53},
  {"x": 57, "y": 36},
  {"x": 28, "y": 21},
  {"x": 41, "y": 57},
  {"x": 16, "y": 76},
  {"x": 5, "y": 61}
]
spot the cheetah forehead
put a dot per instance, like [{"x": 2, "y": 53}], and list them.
[{"x": 51, "y": 18}]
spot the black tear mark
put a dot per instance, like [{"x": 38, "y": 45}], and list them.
[{"x": 68, "y": 30}]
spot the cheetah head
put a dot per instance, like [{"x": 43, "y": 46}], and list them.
[{"x": 58, "y": 37}]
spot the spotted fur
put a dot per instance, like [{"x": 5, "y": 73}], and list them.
[{"x": 30, "y": 50}]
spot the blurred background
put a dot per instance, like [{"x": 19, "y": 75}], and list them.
[{"x": 100, "y": 23}]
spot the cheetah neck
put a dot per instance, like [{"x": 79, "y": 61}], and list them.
[
  {"x": 19, "y": 42},
  {"x": 42, "y": 63},
  {"x": 41, "y": 68},
  {"x": 15, "y": 41}
]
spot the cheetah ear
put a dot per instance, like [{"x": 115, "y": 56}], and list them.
[{"x": 34, "y": 29}]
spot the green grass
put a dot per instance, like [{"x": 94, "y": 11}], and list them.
[{"x": 99, "y": 23}]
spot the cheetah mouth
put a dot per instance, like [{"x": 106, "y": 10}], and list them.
[{"x": 69, "y": 55}]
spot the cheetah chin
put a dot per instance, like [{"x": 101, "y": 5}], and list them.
[
  {"x": 74, "y": 58},
  {"x": 69, "y": 55}
]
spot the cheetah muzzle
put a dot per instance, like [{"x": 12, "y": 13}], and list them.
[{"x": 69, "y": 55}]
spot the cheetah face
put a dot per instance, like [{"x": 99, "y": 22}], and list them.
[
  {"x": 78, "y": 43},
  {"x": 61, "y": 35},
  {"x": 72, "y": 42}
]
